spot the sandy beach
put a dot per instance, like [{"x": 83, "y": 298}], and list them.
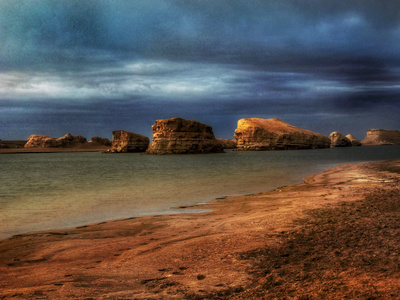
[{"x": 335, "y": 236}]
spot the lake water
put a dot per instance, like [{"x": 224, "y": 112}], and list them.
[{"x": 61, "y": 190}]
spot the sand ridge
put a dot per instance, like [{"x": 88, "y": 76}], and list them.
[{"x": 215, "y": 255}]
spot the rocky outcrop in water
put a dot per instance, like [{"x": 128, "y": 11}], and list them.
[
  {"x": 43, "y": 141},
  {"x": 275, "y": 134},
  {"x": 125, "y": 141},
  {"x": 339, "y": 140},
  {"x": 180, "y": 136},
  {"x": 227, "y": 143},
  {"x": 353, "y": 140},
  {"x": 100, "y": 141},
  {"x": 381, "y": 137}
]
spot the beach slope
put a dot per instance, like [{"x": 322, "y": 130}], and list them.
[{"x": 334, "y": 236}]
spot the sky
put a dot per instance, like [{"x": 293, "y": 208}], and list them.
[{"x": 89, "y": 67}]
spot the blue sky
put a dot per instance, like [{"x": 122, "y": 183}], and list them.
[{"x": 91, "y": 67}]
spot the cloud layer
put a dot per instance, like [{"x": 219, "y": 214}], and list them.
[{"x": 90, "y": 67}]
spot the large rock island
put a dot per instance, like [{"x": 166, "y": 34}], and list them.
[
  {"x": 125, "y": 141},
  {"x": 381, "y": 137},
  {"x": 180, "y": 136},
  {"x": 275, "y": 134}
]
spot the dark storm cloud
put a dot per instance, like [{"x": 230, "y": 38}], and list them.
[
  {"x": 367, "y": 70},
  {"x": 88, "y": 63},
  {"x": 229, "y": 30}
]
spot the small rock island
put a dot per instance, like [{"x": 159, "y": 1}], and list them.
[
  {"x": 100, "y": 141},
  {"x": 339, "y": 140},
  {"x": 354, "y": 141},
  {"x": 125, "y": 141}
]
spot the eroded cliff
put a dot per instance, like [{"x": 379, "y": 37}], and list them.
[{"x": 180, "y": 136}]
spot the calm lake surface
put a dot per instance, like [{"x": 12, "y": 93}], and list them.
[{"x": 60, "y": 190}]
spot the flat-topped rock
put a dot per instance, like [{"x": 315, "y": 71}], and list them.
[
  {"x": 44, "y": 141},
  {"x": 125, "y": 141},
  {"x": 354, "y": 141},
  {"x": 381, "y": 137},
  {"x": 339, "y": 140},
  {"x": 180, "y": 136},
  {"x": 274, "y": 134}
]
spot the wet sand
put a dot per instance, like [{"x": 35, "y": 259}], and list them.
[{"x": 334, "y": 236}]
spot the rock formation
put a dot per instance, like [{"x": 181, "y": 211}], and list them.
[
  {"x": 125, "y": 141},
  {"x": 180, "y": 136},
  {"x": 275, "y": 134},
  {"x": 100, "y": 141},
  {"x": 43, "y": 141},
  {"x": 227, "y": 143},
  {"x": 381, "y": 137},
  {"x": 339, "y": 140},
  {"x": 38, "y": 141},
  {"x": 353, "y": 140}
]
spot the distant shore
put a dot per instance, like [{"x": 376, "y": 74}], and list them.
[
  {"x": 95, "y": 148},
  {"x": 18, "y": 146},
  {"x": 335, "y": 235}
]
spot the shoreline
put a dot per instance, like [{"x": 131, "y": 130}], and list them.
[
  {"x": 179, "y": 256},
  {"x": 52, "y": 150}
]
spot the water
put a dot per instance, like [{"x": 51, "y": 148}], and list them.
[{"x": 61, "y": 190}]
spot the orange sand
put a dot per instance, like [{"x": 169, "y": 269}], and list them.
[{"x": 186, "y": 256}]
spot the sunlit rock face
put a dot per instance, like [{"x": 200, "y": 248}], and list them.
[
  {"x": 43, "y": 141},
  {"x": 381, "y": 137},
  {"x": 38, "y": 141},
  {"x": 339, "y": 140},
  {"x": 256, "y": 134},
  {"x": 180, "y": 136},
  {"x": 125, "y": 141},
  {"x": 353, "y": 140}
]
